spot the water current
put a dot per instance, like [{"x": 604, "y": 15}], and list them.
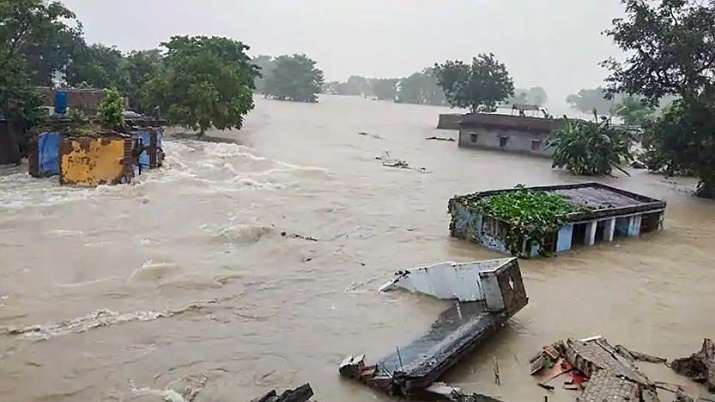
[{"x": 204, "y": 274}]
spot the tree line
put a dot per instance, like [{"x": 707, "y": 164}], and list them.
[
  {"x": 195, "y": 82},
  {"x": 421, "y": 88}
]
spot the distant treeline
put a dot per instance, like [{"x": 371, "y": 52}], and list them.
[{"x": 420, "y": 88}]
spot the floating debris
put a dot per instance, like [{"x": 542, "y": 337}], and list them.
[
  {"x": 389, "y": 161},
  {"x": 192, "y": 387},
  {"x": 440, "y": 139},
  {"x": 601, "y": 371},
  {"x": 298, "y": 236},
  {"x": 300, "y": 394},
  {"x": 700, "y": 366},
  {"x": 365, "y": 134},
  {"x": 98, "y": 319},
  {"x": 488, "y": 293}
]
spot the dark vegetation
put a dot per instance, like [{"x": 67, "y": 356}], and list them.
[
  {"x": 295, "y": 78},
  {"x": 479, "y": 86},
  {"x": 671, "y": 53},
  {"x": 590, "y": 148},
  {"x": 194, "y": 82}
]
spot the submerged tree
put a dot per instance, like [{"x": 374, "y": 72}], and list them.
[
  {"x": 588, "y": 100},
  {"x": 384, "y": 88},
  {"x": 671, "y": 48},
  {"x": 294, "y": 78},
  {"x": 266, "y": 65},
  {"x": 479, "y": 86},
  {"x": 205, "y": 82},
  {"x": 421, "y": 88},
  {"x": 590, "y": 148},
  {"x": 535, "y": 96}
]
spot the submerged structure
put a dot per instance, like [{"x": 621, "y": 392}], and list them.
[
  {"x": 95, "y": 160},
  {"x": 503, "y": 132},
  {"x": 543, "y": 220},
  {"x": 90, "y": 157},
  {"x": 487, "y": 294}
]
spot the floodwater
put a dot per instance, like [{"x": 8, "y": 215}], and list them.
[{"x": 185, "y": 279}]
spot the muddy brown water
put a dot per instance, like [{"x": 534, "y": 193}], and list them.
[{"x": 271, "y": 311}]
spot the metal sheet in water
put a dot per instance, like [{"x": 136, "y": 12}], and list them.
[{"x": 92, "y": 161}]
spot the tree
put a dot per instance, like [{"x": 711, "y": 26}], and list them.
[
  {"x": 384, "y": 88},
  {"x": 421, "y": 88},
  {"x": 356, "y": 85},
  {"x": 671, "y": 48},
  {"x": 140, "y": 68},
  {"x": 588, "y": 100},
  {"x": 634, "y": 111},
  {"x": 111, "y": 110},
  {"x": 479, "y": 86},
  {"x": 26, "y": 27},
  {"x": 295, "y": 78},
  {"x": 205, "y": 82},
  {"x": 589, "y": 148},
  {"x": 266, "y": 66},
  {"x": 535, "y": 96},
  {"x": 98, "y": 66},
  {"x": 38, "y": 36}
]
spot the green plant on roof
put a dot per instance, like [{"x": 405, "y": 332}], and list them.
[
  {"x": 111, "y": 110},
  {"x": 529, "y": 216}
]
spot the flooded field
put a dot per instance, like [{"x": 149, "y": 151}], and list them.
[{"x": 192, "y": 275}]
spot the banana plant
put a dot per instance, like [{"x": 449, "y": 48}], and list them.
[{"x": 590, "y": 148}]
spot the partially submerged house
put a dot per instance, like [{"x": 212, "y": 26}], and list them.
[
  {"x": 544, "y": 220},
  {"x": 507, "y": 133},
  {"x": 86, "y": 155},
  {"x": 487, "y": 294}
]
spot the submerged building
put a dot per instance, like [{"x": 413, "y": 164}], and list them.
[
  {"x": 599, "y": 213},
  {"x": 507, "y": 133}
]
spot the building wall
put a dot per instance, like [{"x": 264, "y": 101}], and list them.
[
  {"x": 467, "y": 224},
  {"x": 89, "y": 161},
  {"x": 528, "y": 142}
]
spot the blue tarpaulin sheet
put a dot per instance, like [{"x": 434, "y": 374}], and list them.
[
  {"x": 144, "y": 158},
  {"x": 48, "y": 153},
  {"x": 151, "y": 149}
]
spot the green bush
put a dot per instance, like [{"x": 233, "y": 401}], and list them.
[
  {"x": 530, "y": 215},
  {"x": 111, "y": 110},
  {"x": 590, "y": 148}
]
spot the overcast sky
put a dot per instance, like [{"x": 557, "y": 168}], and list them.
[{"x": 556, "y": 44}]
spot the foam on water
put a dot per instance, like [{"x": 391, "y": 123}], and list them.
[
  {"x": 208, "y": 168},
  {"x": 97, "y": 319}
]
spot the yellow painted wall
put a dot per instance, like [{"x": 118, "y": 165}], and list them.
[{"x": 93, "y": 161}]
